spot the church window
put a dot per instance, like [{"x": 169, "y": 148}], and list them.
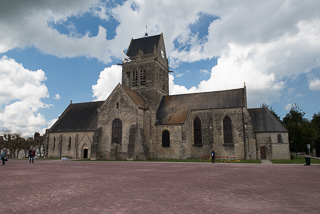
[
  {"x": 134, "y": 78},
  {"x": 117, "y": 105},
  {"x": 197, "y": 131},
  {"x": 165, "y": 138},
  {"x": 163, "y": 86},
  {"x": 142, "y": 77},
  {"x": 280, "y": 140},
  {"x": 69, "y": 144},
  {"x": 227, "y": 130},
  {"x": 54, "y": 143},
  {"x": 116, "y": 131}
]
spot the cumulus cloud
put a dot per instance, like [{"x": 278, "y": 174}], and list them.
[
  {"x": 21, "y": 91},
  {"x": 179, "y": 89},
  {"x": 108, "y": 80},
  {"x": 57, "y": 97},
  {"x": 204, "y": 71},
  {"x": 314, "y": 85},
  {"x": 31, "y": 28},
  {"x": 256, "y": 42}
]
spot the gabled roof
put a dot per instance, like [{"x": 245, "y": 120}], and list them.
[
  {"x": 145, "y": 44},
  {"x": 174, "y": 109},
  {"x": 136, "y": 98},
  {"x": 264, "y": 121},
  {"x": 78, "y": 117}
]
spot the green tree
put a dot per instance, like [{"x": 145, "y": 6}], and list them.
[
  {"x": 301, "y": 132},
  {"x": 315, "y": 122},
  {"x": 38, "y": 142},
  {"x": 12, "y": 141}
]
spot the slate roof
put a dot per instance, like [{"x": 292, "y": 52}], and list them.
[
  {"x": 145, "y": 44},
  {"x": 78, "y": 117},
  {"x": 174, "y": 109},
  {"x": 136, "y": 98},
  {"x": 264, "y": 121}
]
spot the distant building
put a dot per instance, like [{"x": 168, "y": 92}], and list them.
[{"x": 140, "y": 120}]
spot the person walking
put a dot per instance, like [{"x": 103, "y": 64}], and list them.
[
  {"x": 213, "y": 154},
  {"x": 32, "y": 154},
  {"x": 4, "y": 156}
]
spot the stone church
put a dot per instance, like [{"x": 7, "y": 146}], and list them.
[{"x": 140, "y": 120}]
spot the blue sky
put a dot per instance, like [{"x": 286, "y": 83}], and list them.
[{"x": 52, "y": 52}]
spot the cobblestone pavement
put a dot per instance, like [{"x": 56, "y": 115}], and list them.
[{"x": 146, "y": 187}]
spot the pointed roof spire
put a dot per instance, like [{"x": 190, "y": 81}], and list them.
[{"x": 146, "y": 34}]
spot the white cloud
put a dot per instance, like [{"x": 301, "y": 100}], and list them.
[
  {"x": 256, "y": 42},
  {"x": 288, "y": 106},
  {"x": 314, "y": 85},
  {"x": 179, "y": 89},
  {"x": 21, "y": 91},
  {"x": 204, "y": 71},
  {"x": 179, "y": 75},
  {"x": 108, "y": 80},
  {"x": 285, "y": 45},
  {"x": 57, "y": 97},
  {"x": 32, "y": 27}
]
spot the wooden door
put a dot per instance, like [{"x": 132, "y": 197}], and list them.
[{"x": 263, "y": 152}]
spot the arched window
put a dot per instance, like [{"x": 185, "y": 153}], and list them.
[
  {"x": 142, "y": 76},
  {"x": 134, "y": 78},
  {"x": 197, "y": 133},
  {"x": 116, "y": 131},
  {"x": 54, "y": 143},
  {"x": 69, "y": 144},
  {"x": 227, "y": 130},
  {"x": 165, "y": 138}
]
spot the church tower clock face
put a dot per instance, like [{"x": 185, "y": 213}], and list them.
[{"x": 162, "y": 54}]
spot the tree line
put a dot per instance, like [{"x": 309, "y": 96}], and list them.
[
  {"x": 15, "y": 143},
  {"x": 302, "y": 131}
]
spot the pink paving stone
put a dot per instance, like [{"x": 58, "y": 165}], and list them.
[{"x": 147, "y": 187}]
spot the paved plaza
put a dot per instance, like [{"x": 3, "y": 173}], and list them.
[{"x": 146, "y": 187}]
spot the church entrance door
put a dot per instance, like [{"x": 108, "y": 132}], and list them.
[
  {"x": 263, "y": 152},
  {"x": 85, "y": 153},
  {"x": 131, "y": 145}
]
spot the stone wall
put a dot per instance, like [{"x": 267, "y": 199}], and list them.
[
  {"x": 69, "y": 144},
  {"x": 275, "y": 148},
  {"x": 182, "y": 136},
  {"x": 156, "y": 83},
  {"x": 120, "y": 106},
  {"x": 206, "y": 118},
  {"x": 177, "y": 148},
  {"x": 235, "y": 149}
]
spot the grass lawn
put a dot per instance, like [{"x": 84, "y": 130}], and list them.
[{"x": 296, "y": 160}]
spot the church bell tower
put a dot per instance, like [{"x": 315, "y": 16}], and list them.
[{"x": 146, "y": 68}]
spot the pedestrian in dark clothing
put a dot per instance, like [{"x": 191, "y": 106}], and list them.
[
  {"x": 213, "y": 154},
  {"x": 4, "y": 156},
  {"x": 32, "y": 154}
]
